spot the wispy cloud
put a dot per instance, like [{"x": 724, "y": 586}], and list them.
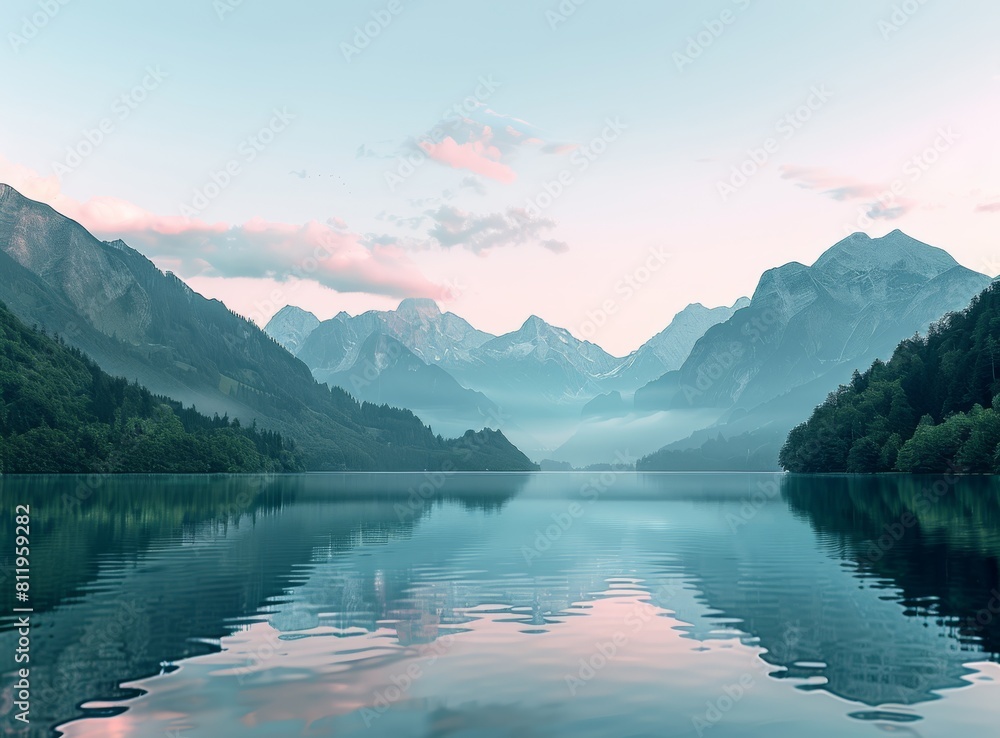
[
  {"x": 882, "y": 203},
  {"x": 326, "y": 253},
  {"x": 481, "y": 141},
  {"x": 830, "y": 184},
  {"x": 477, "y": 155},
  {"x": 481, "y": 233},
  {"x": 473, "y": 183}
]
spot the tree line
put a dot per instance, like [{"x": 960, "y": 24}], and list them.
[
  {"x": 60, "y": 413},
  {"x": 933, "y": 407}
]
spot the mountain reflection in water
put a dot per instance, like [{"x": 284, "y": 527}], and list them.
[{"x": 522, "y": 604}]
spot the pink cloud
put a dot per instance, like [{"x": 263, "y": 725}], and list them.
[
  {"x": 989, "y": 207},
  {"x": 98, "y": 214},
  {"x": 328, "y": 255},
  {"x": 477, "y": 155},
  {"x": 830, "y": 184},
  {"x": 882, "y": 202}
]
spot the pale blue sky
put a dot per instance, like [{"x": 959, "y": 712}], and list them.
[{"x": 656, "y": 186}]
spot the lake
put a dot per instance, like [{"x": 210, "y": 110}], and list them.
[{"x": 561, "y": 604}]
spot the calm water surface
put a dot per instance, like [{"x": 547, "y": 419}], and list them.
[{"x": 507, "y": 605}]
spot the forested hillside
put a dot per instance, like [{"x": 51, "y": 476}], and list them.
[
  {"x": 132, "y": 320},
  {"x": 60, "y": 413},
  {"x": 931, "y": 408}
]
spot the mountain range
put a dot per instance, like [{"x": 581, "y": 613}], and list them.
[
  {"x": 134, "y": 321},
  {"x": 806, "y": 330},
  {"x": 717, "y": 388},
  {"x": 536, "y": 380}
]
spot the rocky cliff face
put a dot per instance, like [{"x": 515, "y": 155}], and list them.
[
  {"x": 291, "y": 326},
  {"x": 96, "y": 279},
  {"x": 540, "y": 360},
  {"x": 857, "y": 301},
  {"x": 386, "y": 371},
  {"x": 667, "y": 350},
  {"x": 437, "y": 338}
]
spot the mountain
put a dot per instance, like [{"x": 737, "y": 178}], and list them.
[
  {"x": 386, "y": 371},
  {"x": 931, "y": 409},
  {"x": 806, "y": 330},
  {"x": 539, "y": 360},
  {"x": 59, "y": 413},
  {"x": 437, "y": 338},
  {"x": 854, "y": 304},
  {"x": 401, "y": 357},
  {"x": 536, "y": 379},
  {"x": 134, "y": 321},
  {"x": 611, "y": 404},
  {"x": 291, "y": 326},
  {"x": 667, "y": 350}
]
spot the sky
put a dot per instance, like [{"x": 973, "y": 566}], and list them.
[{"x": 598, "y": 164}]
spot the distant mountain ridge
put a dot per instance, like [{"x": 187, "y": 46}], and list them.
[
  {"x": 538, "y": 378},
  {"x": 332, "y": 345},
  {"x": 113, "y": 304},
  {"x": 758, "y": 368},
  {"x": 667, "y": 350},
  {"x": 291, "y": 327},
  {"x": 386, "y": 371},
  {"x": 449, "y": 341},
  {"x": 805, "y": 331},
  {"x": 852, "y": 305}
]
